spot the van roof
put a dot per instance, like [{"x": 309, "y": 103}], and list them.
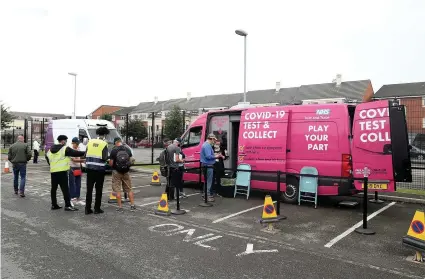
[{"x": 88, "y": 123}]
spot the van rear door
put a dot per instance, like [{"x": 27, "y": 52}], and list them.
[{"x": 375, "y": 148}]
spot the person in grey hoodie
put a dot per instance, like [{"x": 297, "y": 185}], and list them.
[{"x": 19, "y": 154}]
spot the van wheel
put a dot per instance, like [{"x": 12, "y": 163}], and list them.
[{"x": 291, "y": 193}]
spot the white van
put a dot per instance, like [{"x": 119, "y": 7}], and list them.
[{"x": 81, "y": 128}]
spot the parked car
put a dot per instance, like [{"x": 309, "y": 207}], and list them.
[{"x": 417, "y": 154}]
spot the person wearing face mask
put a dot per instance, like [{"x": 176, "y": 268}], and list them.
[{"x": 58, "y": 157}]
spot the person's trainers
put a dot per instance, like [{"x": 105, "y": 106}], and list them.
[
  {"x": 71, "y": 208},
  {"x": 211, "y": 199},
  {"x": 120, "y": 210},
  {"x": 16, "y": 192},
  {"x": 133, "y": 208},
  {"x": 55, "y": 207},
  {"x": 22, "y": 195}
]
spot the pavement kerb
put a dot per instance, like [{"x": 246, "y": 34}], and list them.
[
  {"x": 141, "y": 170},
  {"x": 397, "y": 198}
]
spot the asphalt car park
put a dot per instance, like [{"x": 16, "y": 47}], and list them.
[{"x": 224, "y": 241}]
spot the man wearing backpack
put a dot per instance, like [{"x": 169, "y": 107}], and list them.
[{"x": 120, "y": 161}]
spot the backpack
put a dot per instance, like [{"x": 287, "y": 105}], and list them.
[
  {"x": 122, "y": 162},
  {"x": 164, "y": 161}
]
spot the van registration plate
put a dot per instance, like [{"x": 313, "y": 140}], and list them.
[{"x": 376, "y": 186}]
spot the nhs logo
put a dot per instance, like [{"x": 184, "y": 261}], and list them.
[{"x": 323, "y": 112}]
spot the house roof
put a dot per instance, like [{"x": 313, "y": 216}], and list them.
[
  {"x": 353, "y": 90},
  {"x": 401, "y": 90},
  {"x": 29, "y": 115},
  {"x": 105, "y": 106},
  {"x": 124, "y": 111}
]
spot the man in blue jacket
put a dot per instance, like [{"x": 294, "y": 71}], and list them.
[{"x": 207, "y": 160}]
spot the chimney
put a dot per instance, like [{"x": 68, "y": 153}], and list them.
[
  {"x": 189, "y": 96},
  {"x": 155, "y": 100},
  {"x": 277, "y": 87},
  {"x": 338, "y": 80}
]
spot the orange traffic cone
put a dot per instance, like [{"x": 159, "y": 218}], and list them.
[
  {"x": 163, "y": 206},
  {"x": 6, "y": 167}
]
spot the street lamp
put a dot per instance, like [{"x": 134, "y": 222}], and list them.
[
  {"x": 243, "y": 34},
  {"x": 75, "y": 92}
]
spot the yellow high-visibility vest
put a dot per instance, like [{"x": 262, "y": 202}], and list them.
[
  {"x": 58, "y": 161},
  {"x": 94, "y": 154}
]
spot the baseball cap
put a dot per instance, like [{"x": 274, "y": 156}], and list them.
[
  {"x": 117, "y": 139},
  {"x": 211, "y": 136},
  {"x": 75, "y": 140}
]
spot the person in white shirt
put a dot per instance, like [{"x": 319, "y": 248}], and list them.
[
  {"x": 36, "y": 148},
  {"x": 75, "y": 173}
]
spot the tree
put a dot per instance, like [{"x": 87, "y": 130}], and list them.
[
  {"x": 136, "y": 129},
  {"x": 174, "y": 123},
  {"x": 106, "y": 116},
  {"x": 6, "y": 117}
]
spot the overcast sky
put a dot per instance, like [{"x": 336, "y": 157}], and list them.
[{"x": 126, "y": 52}]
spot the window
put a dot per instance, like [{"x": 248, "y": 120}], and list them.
[
  {"x": 98, "y": 117},
  {"x": 423, "y": 122},
  {"x": 123, "y": 117},
  {"x": 113, "y": 117},
  {"x": 82, "y": 134},
  {"x": 193, "y": 137},
  {"x": 219, "y": 126}
]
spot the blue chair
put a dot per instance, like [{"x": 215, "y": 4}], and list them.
[
  {"x": 308, "y": 186},
  {"x": 243, "y": 180}
]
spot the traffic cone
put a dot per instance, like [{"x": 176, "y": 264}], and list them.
[
  {"x": 163, "y": 206},
  {"x": 269, "y": 212},
  {"x": 155, "y": 179},
  {"x": 6, "y": 167},
  {"x": 112, "y": 198},
  {"x": 415, "y": 238}
]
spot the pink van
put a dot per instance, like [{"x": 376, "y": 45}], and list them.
[{"x": 337, "y": 139}]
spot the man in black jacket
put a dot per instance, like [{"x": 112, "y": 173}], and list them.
[{"x": 58, "y": 159}]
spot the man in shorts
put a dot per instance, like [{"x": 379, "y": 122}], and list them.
[{"x": 120, "y": 161}]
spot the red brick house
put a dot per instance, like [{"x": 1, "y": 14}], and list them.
[
  {"x": 412, "y": 95},
  {"x": 103, "y": 109}
]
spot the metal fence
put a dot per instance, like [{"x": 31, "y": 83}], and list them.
[
  {"x": 415, "y": 118},
  {"x": 30, "y": 129}
]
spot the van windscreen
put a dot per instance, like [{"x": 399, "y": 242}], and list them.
[{"x": 113, "y": 133}]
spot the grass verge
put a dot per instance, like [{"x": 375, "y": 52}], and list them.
[
  {"x": 411, "y": 191},
  {"x": 5, "y": 151}
]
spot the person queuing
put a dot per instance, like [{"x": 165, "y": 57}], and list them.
[
  {"x": 96, "y": 159},
  {"x": 75, "y": 174},
  {"x": 58, "y": 157},
  {"x": 176, "y": 167},
  {"x": 207, "y": 161},
  {"x": 19, "y": 154},
  {"x": 36, "y": 148},
  {"x": 120, "y": 161}
]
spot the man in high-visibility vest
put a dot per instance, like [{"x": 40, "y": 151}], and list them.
[
  {"x": 96, "y": 159},
  {"x": 58, "y": 158}
]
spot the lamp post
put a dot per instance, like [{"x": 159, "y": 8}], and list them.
[
  {"x": 243, "y": 34},
  {"x": 75, "y": 92}
]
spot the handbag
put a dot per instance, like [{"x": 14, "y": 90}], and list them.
[{"x": 77, "y": 172}]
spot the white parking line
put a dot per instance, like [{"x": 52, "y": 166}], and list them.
[
  {"x": 350, "y": 230},
  {"x": 150, "y": 203},
  {"x": 237, "y": 213}
]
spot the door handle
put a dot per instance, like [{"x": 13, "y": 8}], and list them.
[{"x": 288, "y": 150}]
